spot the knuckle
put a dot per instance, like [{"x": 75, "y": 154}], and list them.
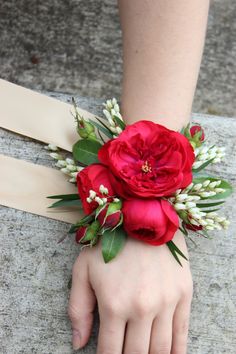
[
  {"x": 112, "y": 308},
  {"x": 142, "y": 307},
  {"x": 168, "y": 300}
]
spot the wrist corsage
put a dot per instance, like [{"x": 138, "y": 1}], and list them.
[{"x": 142, "y": 181}]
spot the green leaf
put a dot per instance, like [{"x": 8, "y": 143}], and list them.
[
  {"x": 183, "y": 229},
  {"x": 119, "y": 122},
  {"x": 66, "y": 203},
  {"x": 208, "y": 205},
  {"x": 103, "y": 129},
  {"x": 65, "y": 196},
  {"x": 204, "y": 165},
  {"x": 85, "y": 220},
  {"x": 86, "y": 151},
  {"x": 105, "y": 126},
  {"x": 112, "y": 243},
  {"x": 174, "y": 250}
]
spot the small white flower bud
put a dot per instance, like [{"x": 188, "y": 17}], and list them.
[
  {"x": 197, "y": 164},
  {"x": 213, "y": 184},
  {"x": 189, "y": 187},
  {"x": 119, "y": 130},
  {"x": 194, "y": 222},
  {"x": 72, "y": 180},
  {"x": 116, "y": 200},
  {"x": 74, "y": 174},
  {"x": 70, "y": 161},
  {"x": 216, "y": 160},
  {"x": 190, "y": 205},
  {"x": 104, "y": 200},
  {"x": 107, "y": 114},
  {"x": 92, "y": 194},
  {"x": 193, "y": 197},
  {"x": 79, "y": 168},
  {"x": 177, "y": 191},
  {"x": 203, "y": 157},
  {"x": 65, "y": 170},
  {"x": 56, "y": 156},
  {"x": 209, "y": 227},
  {"x": 89, "y": 200},
  {"x": 206, "y": 183},
  {"x": 179, "y": 206},
  {"x": 210, "y": 221},
  {"x": 51, "y": 147},
  {"x": 114, "y": 101},
  {"x": 71, "y": 168},
  {"x": 197, "y": 187},
  {"x": 99, "y": 200},
  {"x": 204, "y": 150},
  {"x": 202, "y": 222},
  {"x": 60, "y": 163},
  {"x": 181, "y": 197},
  {"x": 116, "y": 108},
  {"x": 219, "y": 190}
]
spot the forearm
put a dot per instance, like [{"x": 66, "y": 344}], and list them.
[{"x": 163, "y": 42}]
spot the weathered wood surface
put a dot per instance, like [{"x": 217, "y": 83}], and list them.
[
  {"x": 35, "y": 270},
  {"x": 74, "y": 46}
]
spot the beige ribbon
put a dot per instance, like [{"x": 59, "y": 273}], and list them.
[
  {"x": 37, "y": 116},
  {"x": 24, "y": 185}
]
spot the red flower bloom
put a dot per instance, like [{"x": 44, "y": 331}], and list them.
[
  {"x": 195, "y": 129},
  {"x": 153, "y": 221},
  {"x": 148, "y": 160},
  {"x": 92, "y": 177}
]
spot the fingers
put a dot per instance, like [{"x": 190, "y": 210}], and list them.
[
  {"x": 111, "y": 334},
  {"x": 180, "y": 326},
  {"x": 137, "y": 337},
  {"x": 81, "y": 304},
  {"x": 161, "y": 335}
]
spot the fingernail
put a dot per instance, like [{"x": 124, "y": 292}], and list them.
[{"x": 76, "y": 340}]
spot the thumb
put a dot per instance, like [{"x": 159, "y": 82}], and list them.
[{"x": 81, "y": 304}]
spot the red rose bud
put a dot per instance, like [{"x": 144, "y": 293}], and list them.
[
  {"x": 193, "y": 227},
  {"x": 86, "y": 130},
  {"x": 80, "y": 233},
  {"x": 110, "y": 216},
  {"x": 85, "y": 234},
  {"x": 197, "y": 134}
]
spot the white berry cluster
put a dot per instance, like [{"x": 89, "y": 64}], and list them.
[
  {"x": 66, "y": 165},
  {"x": 207, "y": 153},
  {"x": 185, "y": 203},
  {"x": 101, "y": 201},
  {"x": 112, "y": 110}
]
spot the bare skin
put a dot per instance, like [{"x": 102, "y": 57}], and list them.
[{"x": 143, "y": 295}]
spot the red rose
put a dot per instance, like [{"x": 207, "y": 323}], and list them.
[
  {"x": 195, "y": 129},
  {"x": 148, "y": 160},
  {"x": 92, "y": 177},
  {"x": 153, "y": 221}
]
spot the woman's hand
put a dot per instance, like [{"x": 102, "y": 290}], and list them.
[{"x": 143, "y": 295}]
